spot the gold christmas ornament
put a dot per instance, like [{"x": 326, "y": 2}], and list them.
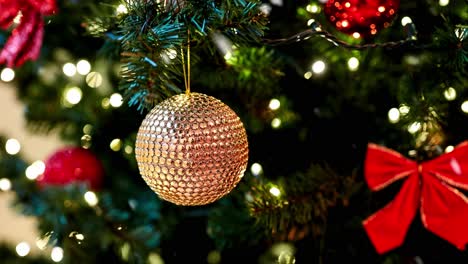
[{"x": 192, "y": 149}]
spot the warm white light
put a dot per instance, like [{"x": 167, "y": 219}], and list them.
[
  {"x": 22, "y": 249},
  {"x": 414, "y": 127},
  {"x": 34, "y": 170},
  {"x": 381, "y": 9},
  {"x": 116, "y": 100},
  {"x": 318, "y": 67},
  {"x": 449, "y": 149},
  {"x": 83, "y": 67},
  {"x": 79, "y": 236},
  {"x": 228, "y": 56},
  {"x": 7, "y": 75},
  {"x": 404, "y": 109},
  {"x": 69, "y": 69},
  {"x": 128, "y": 149},
  {"x": 353, "y": 63},
  {"x": 276, "y": 123},
  {"x": 116, "y": 144},
  {"x": 464, "y": 106},
  {"x": 450, "y": 94},
  {"x": 310, "y": 21},
  {"x": 121, "y": 9},
  {"x": 87, "y": 129},
  {"x": 73, "y": 95},
  {"x": 56, "y": 254},
  {"x": 394, "y": 115},
  {"x": 265, "y": 8},
  {"x": 94, "y": 79},
  {"x": 308, "y": 75},
  {"x": 12, "y": 146},
  {"x": 91, "y": 198},
  {"x": 274, "y": 104},
  {"x": 171, "y": 53},
  {"x": 18, "y": 18},
  {"x": 256, "y": 169},
  {"x": 277, "y": 2},
  {"x": 406, "y": 20},
  {"x": 356, "y": 35},
  {"x": 312, "y": 8},
  {"x": 275, "y": 191},
  {"x": 5, "y": 184},
  {"x": 444, "y": 2}
]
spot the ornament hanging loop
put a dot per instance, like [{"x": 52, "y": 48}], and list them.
[{"x": 186, "y": 68}]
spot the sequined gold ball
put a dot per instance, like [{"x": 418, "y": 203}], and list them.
[{"x": 192, "y": 149}]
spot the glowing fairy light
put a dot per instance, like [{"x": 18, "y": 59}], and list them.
[
  {"x": 116, "y": 100},
  {"x": 73, "y": 95},
  {"x": 7, "y": 75},
  {"x": 444, "y": 2},
  {"x": 464, "y": 107},
  {"x": 12, "y": 146},
  {"x": 353, "y": 63},
  {"x": 23, "y": 249},
  {"x": 276, "y": 123},
  {"x": 394, "y": 115},
  {"x": 406, "y": 20},
  {"x": 275, "y": 191},
  {"x": 91, "y": 198},
  {"x": 308, "y": 75},
  {"x": 121, "y": 9},
  {"x": 256, "y": 169},
  {"x": 318, "y": 67},
  {"x": 69, "y": 69},
  {"x": 404, "y": 109},
  {"x": 450, "y": 94},
  {"x": 56, "y": 254},
  {"x": 116, "y": 144},
  {"x": 35, "y": 170},
  {"x": 414, "y": 127},
  {"x": 83, "y": 67},
  {"x": 274, "y": 104},
  {"x": 449, "y": 149},
  {"x": 5, "y": 184},
  {"x": 94, "y": 79}
]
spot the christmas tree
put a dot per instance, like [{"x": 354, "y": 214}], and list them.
[{"x": 207, "y": 131}]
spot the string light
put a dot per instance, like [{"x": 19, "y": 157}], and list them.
[
  {"x": 449, "y": 149},
  {"x": 22, "y": 249},
  {"x": 73, "y": 95},
  {"x": 94, "y": 79},
  {"x": 312, "y": 8},
  {"x": 414, "y": 127},
  {"x": 276, "y": 123},
  {"x": 464, "y": 106},
  {"x": 404, "y": 109},
  {"x": 265, "y": 8},
  {"x": 353, "y": 64},
  {"x": 83, "y": 67},
  {"x": 7, "y": 75},
  {"x": 69, "y": 69},
  {"x": 356, "y": 35},
  {"x": 116, "y": 100},
  {"x": 12, "y": 146},
  {"x": 35, "y": 170},
  {"x": 274, "y": 104},
  {"x": 406, "y": 20},
  {"x": 87, "y": 129},
  {"x": 5, "y": 184},
  {"x": 310, "y": 21},
  {"x": 56, "y": 254},
  {"x": 18, "y": 18},
  {"x": 275, "y": 191},
  {"x": 444, "y": 2},
  {"x": 116, "y": 144},
  {"x": 308, "y": 75},
  {"x": 91, "y": 198},
  {"x": 105, "y": 103},
  {"x": 277, "y": 2},
  {"x": 318, "y": 67},
  {"x": 450, "y": 94},
  {"x": 394, "y": 115},
  {"x": 256, "y": 169},
  {"x": 128, "y": 149},
  {"x": 121, "y": 9}
]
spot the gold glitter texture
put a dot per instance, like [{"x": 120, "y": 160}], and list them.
[{"x": 192, "y": 149}]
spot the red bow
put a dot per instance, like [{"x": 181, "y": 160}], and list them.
[
  {"x": 26, "y": 39},
  {"x": 429, "y": 187}
]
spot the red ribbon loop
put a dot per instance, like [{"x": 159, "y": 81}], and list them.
[
  {"x": 429, "y": 187},
  {"x": 26, "y": 39}
]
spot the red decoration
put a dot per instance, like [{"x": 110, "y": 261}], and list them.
[
  {"x": 26, "y": 39},
  {"x": 429, "y": 187},
  {"x": 361, "y": 18},
  {"x": 71, "y": 165}
]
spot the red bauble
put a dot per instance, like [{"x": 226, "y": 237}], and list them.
[
  {"x": 361, "y": 18},
  {"x": 72, "y": 165}
]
